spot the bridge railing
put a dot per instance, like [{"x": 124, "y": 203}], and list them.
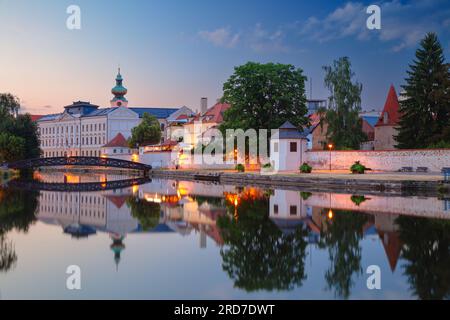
[{"x": 78, "y": 161}]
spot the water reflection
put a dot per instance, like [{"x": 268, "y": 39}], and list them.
[
  {"x": 17, "y": 212},
  {"x": 265, "y": 237}
]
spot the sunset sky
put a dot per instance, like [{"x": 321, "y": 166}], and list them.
[{"x": 174, "y": 52}]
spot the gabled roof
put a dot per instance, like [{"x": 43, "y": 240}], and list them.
[
  {"x": 288, "y": 126},
  {"x": 118, "y": 141},
  {"x": 391, "y": 108},
  {"x": 288, "y": 131},
  {"x": 213, "y": 114}
]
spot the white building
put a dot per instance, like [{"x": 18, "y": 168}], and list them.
[
  {"x": 287, "y": 146},
  {"x": 83, "y": 128}
]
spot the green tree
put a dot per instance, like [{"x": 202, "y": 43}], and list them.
[
  {"x": 426, "y": 110},
  {"x": 342, "y": 117},
  {"x": 147, "y": 132},
  {"x": 26, "y": 129},
  {"x": 257, "y": 255},
  {"x": 22, "y": 138},
  {"x": 264, "y": 96},
  {"x": 12, "y": 148},
  {"x": 9, "y": 105}
]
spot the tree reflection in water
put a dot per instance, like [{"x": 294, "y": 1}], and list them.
[
  {"x": 426, "y": 250},
  {"x": 257, "y": 255},
  {"x": 341, "y": 236},
  {"x": 17, "y": 211},
  {"x": 147, "y": 213}
]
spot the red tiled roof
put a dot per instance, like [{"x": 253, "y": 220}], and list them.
[
  {"x": 35, "y": 118},
  {"x": 391, "y": 108},
  {"x": 182, "y": 117},
  {"x": 118, "y": 141},
  {"x": 215, "y": 113}
]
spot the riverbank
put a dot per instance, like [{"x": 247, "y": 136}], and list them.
[{"x": 397, "y": 183}]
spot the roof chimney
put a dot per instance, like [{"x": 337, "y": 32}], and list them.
[{"x": 203, "y": 105}]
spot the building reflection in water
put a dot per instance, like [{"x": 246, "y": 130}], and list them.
[{"x": 263, "y": 234}]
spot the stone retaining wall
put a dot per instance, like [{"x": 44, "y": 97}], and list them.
[{"x": 393, "y": 160}]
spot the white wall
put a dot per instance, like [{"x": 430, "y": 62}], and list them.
[
  {"x": 284, "y": 159},
  {"x": 433, "y": 159},
  {"x": 157, "y": 159}
]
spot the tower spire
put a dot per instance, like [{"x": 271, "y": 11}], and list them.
[{"x": 119, "y": 92}]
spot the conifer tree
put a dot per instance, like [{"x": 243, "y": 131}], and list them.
[{"x": 425, "y": 112}]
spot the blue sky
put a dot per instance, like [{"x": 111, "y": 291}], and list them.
[{"x": 174, "y": 52}]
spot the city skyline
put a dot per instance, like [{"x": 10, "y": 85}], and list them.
[{"x": 173, "y": 53}]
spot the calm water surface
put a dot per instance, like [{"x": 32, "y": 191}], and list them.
[{"x": 187, "y": 240}]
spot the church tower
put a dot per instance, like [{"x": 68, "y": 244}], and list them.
[{"x": 119, "y": 92}]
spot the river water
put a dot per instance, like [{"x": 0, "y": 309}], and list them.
[{"x": 169, "y": 239}]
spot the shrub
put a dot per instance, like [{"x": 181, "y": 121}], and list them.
[
  {"x": 305, "y": 195},
  {"x": 358, "y": 168},
  {"x": 305, "y": 168},
  {"x": 267, "y": 166},
  {"x": 358, "y": 199},
  {"x": 240, "y": 168}
]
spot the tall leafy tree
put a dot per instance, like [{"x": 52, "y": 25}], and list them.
[
  {"x": 148, "y": 131},
  {"x": 12, "y": 148},
  {"x": 9, "y": 105},
  {"x": 20, "y": 137},
  {"x": 426, "y": 110},
  {"x": 342, "y": 117},
  {"x": 264, "y": 96}
]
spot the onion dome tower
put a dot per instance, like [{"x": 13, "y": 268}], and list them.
[
  {"x": 117, "y": 247},
  {"x": 119, "y": 92}
]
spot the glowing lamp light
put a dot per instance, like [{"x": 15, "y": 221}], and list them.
[
  {"x": 330, "y": 214},
  {"x": 330, "y": 146}
]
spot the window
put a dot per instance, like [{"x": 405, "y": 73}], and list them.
[
  {"x": 275, "y": 147},
  {"x": 275, "y": 209},
  {"x": 293, "y": 146},
  {"x": 293, "y": 210}
]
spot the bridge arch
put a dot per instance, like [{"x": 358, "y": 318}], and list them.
[{"x": 78, "y": 161}]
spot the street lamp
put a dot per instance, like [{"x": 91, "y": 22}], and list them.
[{"x": 330, "y": 147}]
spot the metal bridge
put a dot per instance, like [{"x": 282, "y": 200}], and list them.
[
  {"x": 79, "y": 161},
  {"x": 76, "y": 187}
]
